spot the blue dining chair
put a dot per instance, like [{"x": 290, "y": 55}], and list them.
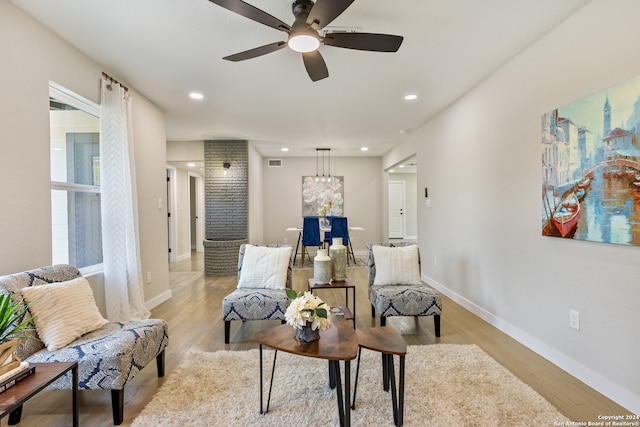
[
  {"x": 310, "y": 234},
  {"x": 340, "y": 228}
]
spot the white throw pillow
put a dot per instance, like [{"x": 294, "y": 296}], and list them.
[
  {"x": 396, "y": 265},
  {"x": 264, "y": 267},
  {"x": 63, "y": 311}
]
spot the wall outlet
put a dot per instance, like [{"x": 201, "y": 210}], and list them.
[
  {"x": 285, "y": 240},
  {"x": 574, "y": 319},
  {"x": 148, "y": 277},
  {"x": 435, "y": 261}
]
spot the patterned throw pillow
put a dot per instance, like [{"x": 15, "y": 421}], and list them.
[
  {"x": 63, "y": 311},
  {"x": 264, "y": 267},
  {"x": 396, "y": 265}
]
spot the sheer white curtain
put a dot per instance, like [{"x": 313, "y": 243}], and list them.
[{"x": 120, "y": 241}]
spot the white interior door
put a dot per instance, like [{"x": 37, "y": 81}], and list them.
[{"x": 396, "y": 209}]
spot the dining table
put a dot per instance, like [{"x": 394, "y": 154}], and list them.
[{"x": 323, "y": 229}]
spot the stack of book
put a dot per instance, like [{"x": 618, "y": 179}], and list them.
[{"x": 12, "y": 377}]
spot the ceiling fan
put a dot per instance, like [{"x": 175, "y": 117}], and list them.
[{"x": 303, "y": 35}]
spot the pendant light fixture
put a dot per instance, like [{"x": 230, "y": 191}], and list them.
[{"x": 326, "y": 153}]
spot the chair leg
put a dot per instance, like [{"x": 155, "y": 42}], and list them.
[
  {"x": 436, "y": 324},
  {"x": 373, "y": 311},
  {"x": 383, "y": 321},
  {"x": 160, "y": 364},
  {"x": 227, "y": 331},
  {"x": 117, "y": 405}
]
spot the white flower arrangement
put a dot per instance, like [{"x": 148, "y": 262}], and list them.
[{"x": 306, "y": 307}]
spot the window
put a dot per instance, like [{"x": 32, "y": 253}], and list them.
[{"x": 75, "y": 179}]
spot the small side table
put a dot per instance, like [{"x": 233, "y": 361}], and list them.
[
  {"x": 45, "y": 374},
  {"x": 389, "y": 342},
  {"x": 345, "y": 284}
]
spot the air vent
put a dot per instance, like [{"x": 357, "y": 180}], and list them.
[{"x": 275, "y": 163}]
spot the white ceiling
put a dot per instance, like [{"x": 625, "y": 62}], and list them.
[{"x": 165, "y": 49}]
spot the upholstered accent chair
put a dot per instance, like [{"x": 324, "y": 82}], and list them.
[
  {"x": 107, "y": 357},
  {"x": 264, "y": 272},
  {"x": 395, "y": 287},
  {"x": 340, "y": 228},
  {"x": 310, "y": 234}
]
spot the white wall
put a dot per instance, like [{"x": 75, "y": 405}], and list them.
[
  {"x": 256, "y": 197},
  {"x": 31, "y": 57},
  {"x": 484, "y": 223}
]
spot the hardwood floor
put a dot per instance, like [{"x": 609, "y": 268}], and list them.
[{"x": 194, "y": 316}]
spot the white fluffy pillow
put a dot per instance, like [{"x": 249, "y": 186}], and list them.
[
  {"x": 264, "y": 267},
  {"x": 63, "y": 311},
  {"x": 396, "y": 265}
]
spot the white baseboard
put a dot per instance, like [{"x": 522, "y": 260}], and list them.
[
  {"x": 603, "y": 385},
  {"x": 183, "y": 257},
  {"x": 156, "y": 301}
]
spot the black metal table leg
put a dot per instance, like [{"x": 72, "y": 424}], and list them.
[
  {"x": 385, "y": 372},
  {"x": 355, "y": 387},
  {"x": 401, "y": 394},
  {"x": 392, "y": 381},
  {"x": 347, "y": 392},
  {"x": 341, "y": 405},
  {"x": 332, "y": 376},
  {"x": 273, "y": 370}
]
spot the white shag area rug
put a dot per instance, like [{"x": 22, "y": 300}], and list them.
[{"x": 445, "y": 385}]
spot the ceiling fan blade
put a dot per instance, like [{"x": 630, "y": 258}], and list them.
[
  {"x": 325, "y": 11},
  {"x": 253, "y": 13},
  {"x": 258, "y": 51},
  {"x": 315, "y": 65},
  {"x": 364, "y": 41}
]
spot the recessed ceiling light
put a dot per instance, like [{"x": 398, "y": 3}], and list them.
[
  {"x": 401, "y": 166},
  {"x": 410, "y": 97},
  {"x": 196, "y": 95},
  {"x": 191, "y": 164},
  {"x": 391, "y": 171},
  {"x": 284, "y": 149},
  {"x": 364, "y": 148}
]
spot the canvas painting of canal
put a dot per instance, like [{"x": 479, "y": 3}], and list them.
[{"x": 591, "y": 167}]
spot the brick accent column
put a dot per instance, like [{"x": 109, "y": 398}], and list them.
[{"x": 226, "y": 202}]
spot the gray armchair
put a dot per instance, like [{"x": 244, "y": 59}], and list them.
[{"x": 401, "y": 299}]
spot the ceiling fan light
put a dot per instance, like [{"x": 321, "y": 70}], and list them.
[{"x": 303, "y": 43}]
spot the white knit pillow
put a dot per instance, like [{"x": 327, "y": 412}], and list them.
[
  {"x": 63, "y": 311},
  {"x": 264, "y": 267},
  {"x": 396, "y": 265}
]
